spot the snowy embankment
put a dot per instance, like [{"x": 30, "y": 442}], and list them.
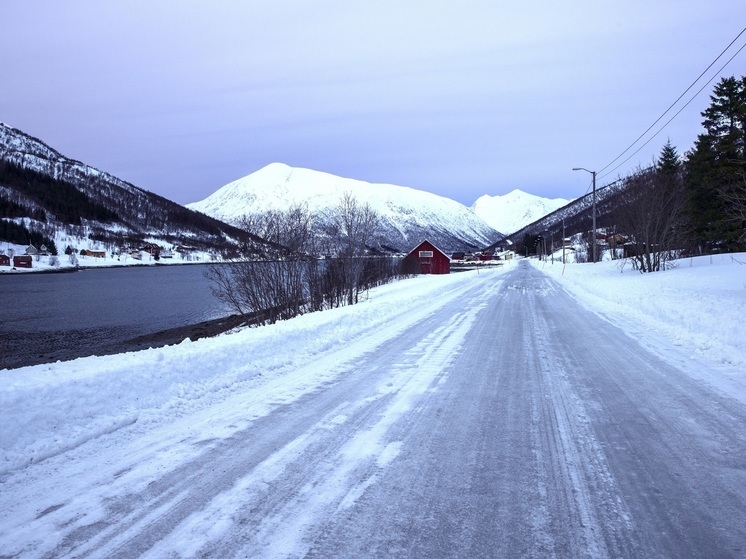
[
  {"x": 699, "y": 305},
  {"x": 47, "y": 409}
]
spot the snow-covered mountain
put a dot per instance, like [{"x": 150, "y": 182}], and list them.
[
  {"x": 407, "y": 215},
  {"x": 46, "y": 194},
  {"x": 514, "y": 210}
]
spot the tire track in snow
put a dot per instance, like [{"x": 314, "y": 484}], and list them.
[
  {"x": 265, "y": 482},
  {"x": 357, "y": 463}
]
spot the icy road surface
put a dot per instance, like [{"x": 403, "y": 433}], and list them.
[{"x": 507, "y": 422}]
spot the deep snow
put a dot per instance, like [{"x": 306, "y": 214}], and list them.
[{"x": 47, "y": 409}]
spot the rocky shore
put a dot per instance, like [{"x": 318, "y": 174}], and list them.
[{"x": 24, "y": 349}]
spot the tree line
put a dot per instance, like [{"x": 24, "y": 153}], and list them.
[
  {"x": 680, "y": 205},
  {"x": 59, "y": 197},
  {"x": 696, "y": 204},
  {"x": 15, "y": 233}
]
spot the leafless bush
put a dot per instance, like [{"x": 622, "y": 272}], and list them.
[
  {"x": 652, "y": 215},
  {"x": 291, "y": 277},
  {"x": 354, "y": 227},
  {"x": 734, "y": 194}
]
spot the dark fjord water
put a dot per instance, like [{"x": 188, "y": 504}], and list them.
[{"x": 44, "y": 317}]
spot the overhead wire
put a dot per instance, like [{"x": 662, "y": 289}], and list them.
[
  {"x": 675, "y": 115},
  {"x": 674, "y": 104}
]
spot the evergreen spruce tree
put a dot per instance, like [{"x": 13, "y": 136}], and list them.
[
  {"x": 669, "y": 162},
  {"x": 716, "y": 168}
]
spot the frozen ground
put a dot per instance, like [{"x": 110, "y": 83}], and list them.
[{"x": 477, "y": 414}]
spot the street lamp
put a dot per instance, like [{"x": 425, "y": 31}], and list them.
[{"x": 594, "y": 206}]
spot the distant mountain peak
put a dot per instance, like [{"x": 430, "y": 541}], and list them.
[
  {"x": 407, "y": 215},
  {"x": 512, "y": 211}
]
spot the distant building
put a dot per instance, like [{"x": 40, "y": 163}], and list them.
[
  {"x": 151, "y": 248},
  {"x": 426, "y": 258},
  {"x": 22, "y": 261},
  {"x": 93, "y": 253},
  {"x": 4, "y": 260}
]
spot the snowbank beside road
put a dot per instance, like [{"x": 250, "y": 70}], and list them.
[
  {"x": 699, "y": 304},
  {"x": 47, "y": 409}
]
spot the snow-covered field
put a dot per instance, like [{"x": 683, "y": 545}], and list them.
[{"x": 47, "y": 409}]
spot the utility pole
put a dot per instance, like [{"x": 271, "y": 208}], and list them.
[
  {"x": 594, "y": 206},
  {"x": 595, "y": 249},
  {"x": 563, "y": 240}
]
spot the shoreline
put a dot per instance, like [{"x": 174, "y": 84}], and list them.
[
  {"x": 6, "y": 271},
  {"x": 173, "y": 336},
  {"x": 162, "y": 338}
]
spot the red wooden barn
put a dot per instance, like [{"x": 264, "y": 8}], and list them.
[
  {"x": 426, "y": 258},
  {"x": 4, "y": 260}
]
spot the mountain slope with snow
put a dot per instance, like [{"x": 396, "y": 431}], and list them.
[
  {"x": 46, "y": 192},
  {"x": 514, "y": 210},
  {"x": 407, "y": 215}
]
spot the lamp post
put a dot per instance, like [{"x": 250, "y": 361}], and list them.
[{"x": 594, "y": 206}]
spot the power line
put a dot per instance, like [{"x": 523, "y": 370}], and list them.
[
  {"x": 673, "y": 104},
  {"x": 677, "y": 113}
]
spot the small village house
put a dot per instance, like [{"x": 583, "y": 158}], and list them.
[
  {"x": 24, "y": 261},
  {"x": 151, "y": 248},
  {"x": 4, "y": 260},
  {"x": 426, "y": 258},
  {"x": 93, "y": 253}
]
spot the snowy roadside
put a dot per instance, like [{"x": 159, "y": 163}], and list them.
[
  {"x": 47, "y": 409},
  {"x": 700, "y": 305}
]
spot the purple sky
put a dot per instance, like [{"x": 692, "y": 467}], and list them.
[{"x": 457, "y": 98}]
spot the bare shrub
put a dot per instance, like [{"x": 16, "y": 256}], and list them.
[
  {"x": 289, "y": 277},
  {"x": 652, "y": 215}
]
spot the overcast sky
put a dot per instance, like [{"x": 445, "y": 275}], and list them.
[{"x": 460, "y": 98}]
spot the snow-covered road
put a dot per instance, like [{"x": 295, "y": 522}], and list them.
[{"x": 497, "y": 419}]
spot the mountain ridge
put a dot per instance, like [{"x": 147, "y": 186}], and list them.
[
  {"x": 407, "y": 215},
  {"x": 515, "y": 210},
  {"x": 113, "y": 212},
  {"x": 36, "y": 180}
]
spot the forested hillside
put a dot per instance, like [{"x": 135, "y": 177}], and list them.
[{"x": 43, "y": 192}]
